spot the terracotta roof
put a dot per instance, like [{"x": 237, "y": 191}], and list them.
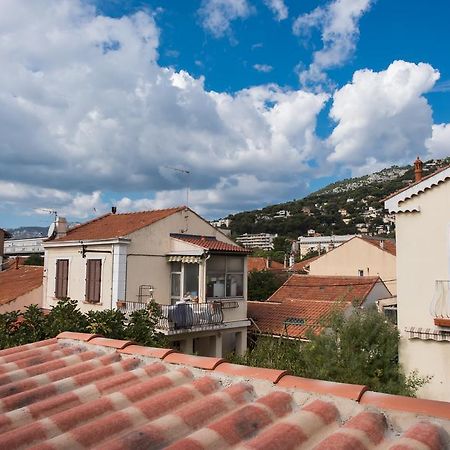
[
  {"x": 258, "y": 263},
  {"x": 325, "y": 288},
  {"x": 209, "y": 243},
  {"x": 292, "y": 318},
  {"x": 301, "y": 265},
  {"x": 81, "y": 391},
  {"x": 17, "y": 282},
  {"x": 388, "y": 245},
  {"x": 116, "y": 225}
]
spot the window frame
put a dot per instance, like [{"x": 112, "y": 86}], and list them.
[{"x": 226, "y": 275}]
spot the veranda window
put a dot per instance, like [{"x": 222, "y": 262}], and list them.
[{"x": 225, "y": 276}]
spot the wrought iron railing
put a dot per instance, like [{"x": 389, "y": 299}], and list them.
[
  {"x": 185, "y": 316},
  {"x": 440, "y": 306},
  {"x": 129, "y": 307}
]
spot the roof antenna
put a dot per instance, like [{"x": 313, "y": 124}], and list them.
[
  {"x": 50, "y": 211},
  {"x": 186, "y": 172}
]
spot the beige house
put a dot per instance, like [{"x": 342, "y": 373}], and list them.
[
  {"x": 196, "y": 273},
  {"x": 360, "y": 256},
  {"x": 423, "y": 273}
]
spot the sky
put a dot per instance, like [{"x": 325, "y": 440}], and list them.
[{"x": 227, "y": 105}]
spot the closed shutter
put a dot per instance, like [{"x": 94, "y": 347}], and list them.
[
  {"x": 62, "y": 275},
  {"x": 93, "y": 279}
]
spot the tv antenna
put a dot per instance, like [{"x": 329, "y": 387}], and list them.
[
  {"x": 187, "y": 173},
  {"x": 50, "y": 211}
]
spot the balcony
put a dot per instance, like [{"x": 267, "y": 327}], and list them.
[
  {"x": 440, "y": 306},
  {"x": 184, "y": 317}
]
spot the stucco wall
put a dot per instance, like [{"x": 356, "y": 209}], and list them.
[
  {"x": 77, "y": 275},
  {"x": 356, "y": 255},
  {"x": 33, "y": 297},
  {"x": 422, "y": 258}
]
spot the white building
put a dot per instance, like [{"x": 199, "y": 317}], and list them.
[
  {"x": 263, "y": 241},
  {"x": 321, "y": 244},
  {"x": 28, "y": 246}
]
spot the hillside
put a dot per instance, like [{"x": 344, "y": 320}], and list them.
[
  {"x": 28, "y": 232},
  {"x": 346, "y": 207}
]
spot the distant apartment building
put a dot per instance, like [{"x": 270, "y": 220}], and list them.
[
  {"x": 3, "y": 235},
  {"x": 221, "y": 223},
  {"x": 21, "y": 247},
  {"x": 322, "y": 244},
  {"x": 263, "y": 241}
]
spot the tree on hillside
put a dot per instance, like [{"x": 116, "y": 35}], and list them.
[{"x": 360, "y": 349}]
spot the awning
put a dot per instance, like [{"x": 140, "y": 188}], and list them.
[
  {"x": 428, "y": 333},
  {"x": 184, "y": 259}
]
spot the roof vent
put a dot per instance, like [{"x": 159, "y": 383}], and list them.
[
  {"x": 113, "y": 209},
  {"x": 294, "y": 321}
]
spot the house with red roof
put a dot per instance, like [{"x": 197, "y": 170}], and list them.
[
  {"x": 303, "y": 302},
  {"x": 360, "y": 256},
  {"x": 422, "y": 222},
  {"x": 196, "y": 273}
]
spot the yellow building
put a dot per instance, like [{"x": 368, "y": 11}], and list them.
[
  {"x": 196, "y": 273},
  {"x": 423, "y": 273}
]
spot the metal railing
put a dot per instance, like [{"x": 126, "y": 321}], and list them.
[
  {"x": 185, "y": 316},
  {"x": 440, "y": 306},
  {"x": 129, "y": 307}
]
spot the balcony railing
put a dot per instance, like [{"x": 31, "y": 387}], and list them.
[
  {"x": 184, "y": 316},
  {"x": 440, "y": 306},
  {"x": 187, "y": 316}
]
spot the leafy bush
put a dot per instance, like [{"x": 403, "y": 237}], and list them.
[{"x": 359, "y": 349}]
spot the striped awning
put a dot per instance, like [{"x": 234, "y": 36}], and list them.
[
  {"x": 428, "y": 333},
  {"x": 184, "y": 259}
]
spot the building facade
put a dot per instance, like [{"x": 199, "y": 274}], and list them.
[
  {"x": 423, "y": 272},
  {"x": 322, "y": 244},
  {"x": 263, "y": 241},
  {"x": 197, "y": 275},
  {"x": 26, "y": 246}
]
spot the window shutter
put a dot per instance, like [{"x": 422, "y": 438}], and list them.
[
  {"x": 62, "y": 275},
  {"x": 93, "y": 279}
]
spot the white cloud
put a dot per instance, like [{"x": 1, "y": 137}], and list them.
[
  {"x": 217, "y": 15},
  {"x": 382, "y": 117},
  {"x": 438, "y": 144},
  {"x": 84, "y": 108},
  {"x": 338, "y": 22},
  {"x": 266, "y": 68},
  {"x": 279, "y": 9}
]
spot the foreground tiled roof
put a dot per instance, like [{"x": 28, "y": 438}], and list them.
[
  {"x": 116, "y": 225},
  {"x": 258, "y": 263},
  {"x": 81, "y": 391},
  {"x": 17, "y": 282},
  {"x": 292, "y": 318},
  {"x": 387, "y": 245},
  {"x": 325, "y": 288},
  {"x": 210, "y": 243}
]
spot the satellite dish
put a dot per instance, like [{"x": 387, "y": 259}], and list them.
[{"x": 51, "y": 230}]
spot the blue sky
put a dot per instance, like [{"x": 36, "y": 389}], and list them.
[{"x": 261, "y": 100}]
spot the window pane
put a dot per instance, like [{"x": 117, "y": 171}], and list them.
[
  {"x": 215, "y": 285},
  {"x": 176, "y": 267},
  {"x": 216, "y": 264},
  {"x": 175, "y": 285},
  {"x": 235, "y": 285},
  {"x": 235, "y": 264},
  {"x": 190, "y": 280}
]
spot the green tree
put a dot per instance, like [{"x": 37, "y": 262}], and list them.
[
  {"x": 34, "y": 260},
  {"x": 262, "y": 284},
  {"x": 360, "y": 349}
]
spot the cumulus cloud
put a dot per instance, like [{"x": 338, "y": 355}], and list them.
[
  {"x": 217, "y": 15},
  {"x": 438, "y": 145},
  {"x": 278, "y": 8},
  {"x": 85, "y": 107},
  {"x": 338, "y": 23},
  {"x": 266, "y": 68},
  {"x": 382, "y": 117}
]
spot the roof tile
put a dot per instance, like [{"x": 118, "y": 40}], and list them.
[
  {"x": 116, "y": 401},
  {"x": 210, "y": 243},
  {"x": 85, "y": 337},
  {"x": 17, "y": 282},
  {"x": 113, "y": 343},
  {"x": 201, "y": 362},
  {"x": 116, "y": 225},
  {"x": 152, "y": 352}
]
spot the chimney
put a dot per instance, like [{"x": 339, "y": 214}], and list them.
[
  {"x": 113, "y": 209},
  {"x": 61, "y": 227},
  {"x": 17, "y": 262},
  {"x": 381, "y": 243},
  {"x": 418, "y": 169}
]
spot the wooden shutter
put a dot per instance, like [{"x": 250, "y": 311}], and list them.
[
  {"x": 93, "y": 280},
  {"x": 62, "y": 275}
]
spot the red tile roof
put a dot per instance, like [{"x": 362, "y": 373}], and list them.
[
  {"x": 258, "y": 263},
  {"x": 292, "y": 318},
  {"x": 325, "y": 288},
  {"x": 71, "y": 393},
  {"x": 387, "y": 245},
  {"x": 17, "y": 282},
  {"x": 209, "y": 243},
  {"x": 116, "y": 225}
]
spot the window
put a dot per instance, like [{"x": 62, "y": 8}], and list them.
[
  {"x": 225, "y": 277},
  {"x": 183, "y": 281},
  {"x": 361, "y": 272},
  {"x": 62, "y": 274},
  {"x": 93, "y": 280}
]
